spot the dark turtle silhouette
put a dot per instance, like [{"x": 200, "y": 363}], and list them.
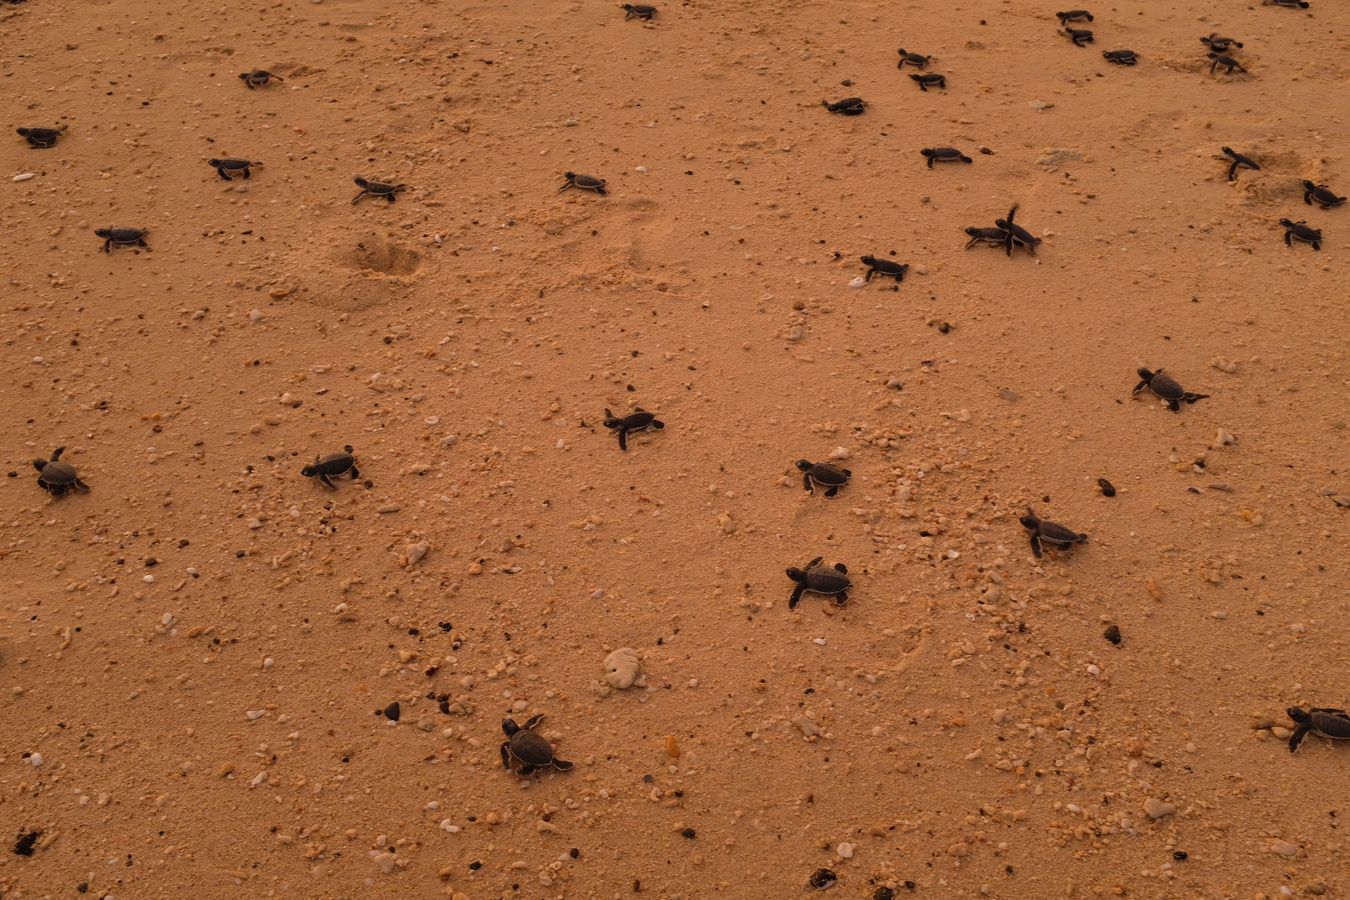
[
  {"x": 885, "y": 267},
  {"x": 1219, "y": 43},
  {"x": 122, "y": 237},
  {"x": 1227, "y": 62},
  {"x": 1121, "y": 57},
  {"x": 1300, "y": 231},
  {"x": 377, "y": 189},
  {"x": 1287, "y": 4},
  {"x": 1016, "y": 235},
  {"x": 931, "y": 79},
  {"x": 582, "y": 182},
  {"x": 227, "y": 167},
  {"x": 42, "y": 138},
  {"x": 1074, "y": 15},
  {"x": 326, "y": 468},
  {"x": 56, "y": 477},
  {"x": 1239, "y": 162},
  {"x": 1080, "y": 36},
  {"x": 849, "y": 106},
  {"x": 259, "y": 78},
  {"x": 638, "y": 11},
  {"x": 917, "y": 60},
  {"x": 823, "y": 474},
  {"x": 820, "y": 579},
  {"x": 1049, "y": 533},
  {"x": 638, "y": 420},
  {"x": 944, "y": 154},
  {"x": 1321, "y": 195},
  {"x": 1166, "y": 388},
  {"x": 1107, "y": 488},
  {"x": 529, "y": 749},
  {"x": 1333, "y": 724},
  {"x": 995, "y": 237}
]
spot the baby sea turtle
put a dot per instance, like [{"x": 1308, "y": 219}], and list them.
[
  {"x": 638, "y": 420},
  {"x": 1051, "y": 533},
  {"x": 1074, "y": 15},
  {"x": 1288, "y": 4},
  {"x": 326, "y": 468},
  {"x": 227, "y": 167},
  {"x": 122, "y": 237},
  {"x": 1299, "y": 231},
  {"x": 995, "y": 237},
  {"x": 917, "y": 60},
  {"x": 1320, "y": 194},
  {"x": 1239, "y": 162},
  {"x": 1080, "y": 36},
  {"x": 823, "y": 474},
  {"x": 377, "y": 189},
  {"x": 1226, "y": 61},
  {"x": 1219, "y": 43},
  {"x": 1121, "y": 57},
  {"x": 528, "y": 748},
  {"x": 1333, "y": 724},
  {"x": 56, "y": 477},
  {"x": 884, "y": 267},
  {"x": 1016, "y": 235},
  {"x": 820, "y": 579},
  {"x": 583, "y": 182},
  {"x": 931, "y": 79},
  {"x": 41, "y": 138},
  {"x": 637, "y": 11},
  {"x": 944, "y": 154},
  {"x": 1166, "y": 388},
  {"x": 849, "y": 106},
  {"x": 259, "y": 78}
]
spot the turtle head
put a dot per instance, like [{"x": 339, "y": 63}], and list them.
[
  {"x": 1308, "y": 185},
  {"x": 103, "y": 232},
  {"x": 347, "y": 449},
  {"x": 1286, "y": 223},
  {"x": 903, "y": 52},
  {"x": 796, "y": 574},
  {"x": 510, "y": 727},
  {"x": 1145, "y": 374},
  {"x": 246, "y": 75},
  {"x": 804, "y": 465},
  {"x": 973, "y": 231},
  {"x": 1298, "y": 715},
  {"x": 611, "y": 421},
  {"x": 309, "y": 471},
  {"x": 360, "y": 182},
  {"x": 23, "y": 132},
  {"x": 927, "y": 151},
  {"x": 916, "y": 77},
  {"x": 868, "y": 260},
  {"x": 1030, "y": 520},
  {"x": 570, "y": 176},
  {"x": 39, "y": 464},
  {"x": 213, "y": 162}
]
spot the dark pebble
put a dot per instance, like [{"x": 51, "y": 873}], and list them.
[
  {"x": 823, "y": 878},
  {"x": 1112, "y": 634},
  {"x": 13, "y": 474},
  {"x": 689, "y": 833},
  {"x": 1108, "y": 489},
  {"x": 1179, "y": 855},
  {"x": 883, "y": 893},
  {"x": 392, "y": 711},
  {"x": 475, "y": 865},
  {"x": 574, "y": 853},
  {"x": 909, "y": 885},
  {"x": 24, "y": 845}
]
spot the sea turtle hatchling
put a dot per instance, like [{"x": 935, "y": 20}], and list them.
[
  {"x": 41, "y": 138},
  {"x": 1238, "y": 162},
  {"x": 528, "y": 748},
  {"x": 944, "y": 154},
  {"x": 917, "y": 60},
  {"x": 1016, "y": 235},
  {"x": 259, "y": 78},
  {"x": 1080, "y": 36},
  {"x": 1073, "y": 15},
  {"x": 1321, "y": 195},
  {"x": 931, "y": 79},
  {"x": 637, "y": 11},
  {"x": 1301, "y": 231},
  {"x": 820, "y": 579},
  {"x": 849, "y": 106},
  {"x": 994, "y": 237},
  {"x": 827, "y": 476},
  {"x": 326, "y": 468},
  {"x": 638, "y": 420},
  {"x": 1333, "y": 724},
  {"x": 377, "y": 189},
  {"x": 56, "y": 477},
  {"x": 1121, "y": 57},
  {"x": 227, "y": 167},
  {"x": 1224, "y": 60},
  {"x": 1165, "y": 387},
  {"x": 1219, "y": 43},
  {"x": 582, "y": 182},
  {"x": 884, "y": 267},
  {"x": 1043, "y": 532},
  {"x": 122, "y": 237}
]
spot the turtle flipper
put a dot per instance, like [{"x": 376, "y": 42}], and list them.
[
  {"x": 1297, "y": 737},
  {"x": 623, "y": 438},
  {"x": 356, "y": 473},
  {"x": 220, "y": 170},
  {"x": 832, "y": 491},
  {"x": 327, "y": 482},
  {"x": 840, "y": 567},
  {"x": 562, "y": 765},
  {"x": 527, "y": 770},
  {"x": 357, "y": 198},
  {"x": 1192, "y": 398},
  {"x": 815, "y": 562},
  {"x": 1232, "y": 170},
  {"x": 533, "y": 721},
  {"x": 806, "y": 483},
  {"x": 1036, "y": 546},
  {"x": 506, "y": 755},
  {"x": 1139, "y": 387},
  {"x": 841, "y": 598},
  {"x": 81, "y": 486},
  {"x": 1174, "y": 405},
  {"x": 796, "y": 596}
]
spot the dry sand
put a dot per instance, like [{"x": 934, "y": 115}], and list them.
[{"x": 197, "y": 648}]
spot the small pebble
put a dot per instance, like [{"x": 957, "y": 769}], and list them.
[
  {"x": 22, "y": 177},
  {"x": 1112, "y": 634},
  {"x": 255, "y": 316},
  {"x": 823, "y": 878},
  {"x": 845, "y": 850},
  {"x": 1108, "y": 489},
  {"x": 392, "y": 711},
  {"x": 1157, "y": 809},
  {"x": 35, "y": 760}
]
